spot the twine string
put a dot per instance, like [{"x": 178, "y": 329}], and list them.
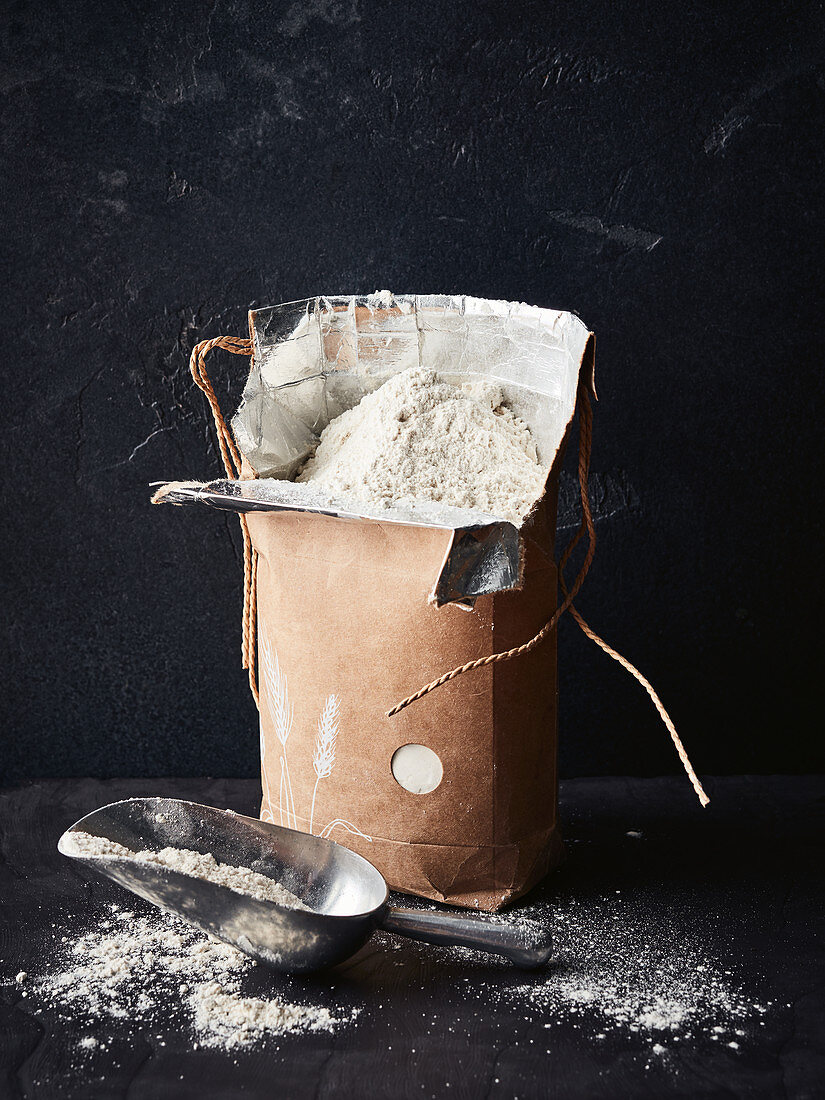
[
  {"x": 232, "y": 464},
  {"x": 657, "y": 702}
]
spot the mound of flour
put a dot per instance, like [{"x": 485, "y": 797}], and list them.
[
  {"x": 420, "y": 438},
  {"x": 159, "y": 972},
  {"x": 187, "y": 862}
]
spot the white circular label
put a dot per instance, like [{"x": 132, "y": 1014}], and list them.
[{"x": 417, "y": 768}]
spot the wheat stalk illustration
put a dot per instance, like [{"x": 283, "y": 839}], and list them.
[
  {"x": 281, "y": 792},
  {"x": 281, "y": 712},
  {"x": 323, "y": 759},
  {"x": 266, "y": 814}
]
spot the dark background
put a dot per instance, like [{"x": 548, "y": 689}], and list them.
[{"x": 656, "y": 168}]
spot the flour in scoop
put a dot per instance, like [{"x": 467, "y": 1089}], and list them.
[
  {"x": 419, "y": 438},
  {"x": 186, "y": 862}
]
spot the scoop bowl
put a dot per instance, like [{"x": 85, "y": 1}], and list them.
[{"x": 346, "y": 894}]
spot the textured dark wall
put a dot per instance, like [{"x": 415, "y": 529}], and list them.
[{"x": 655, "y": 168}]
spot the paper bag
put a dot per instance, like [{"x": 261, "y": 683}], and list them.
[
  {"x": 455, "y": 797},
  {"x": 346, "y": 629}
]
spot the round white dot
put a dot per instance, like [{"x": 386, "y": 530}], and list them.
[{"x": 416, "y": 768}]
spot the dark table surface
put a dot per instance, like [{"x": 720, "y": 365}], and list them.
[{"x": 654, "y": 890}]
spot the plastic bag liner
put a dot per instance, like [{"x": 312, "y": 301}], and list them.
[{"x": 351, "y": 609}]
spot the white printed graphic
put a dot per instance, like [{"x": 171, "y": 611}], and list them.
[
  {"x": 323, "y": 759},
  {"x": 281, "y": 712},
  {"x": 348, "y": 825}
]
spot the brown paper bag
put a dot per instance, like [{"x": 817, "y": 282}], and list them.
[
  {"x": 453, "y": 797},
  {"x": 345, "y": 629}
]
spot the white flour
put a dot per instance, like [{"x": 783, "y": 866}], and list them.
[
  {"x": 630, "y": 974},
  {"x": 195, "y": 864},
  {"x": 155, "y": 969},
  {"x": 617, "y": 976},
  {"x": 617, "y": 972},
  {"x": 626, "y": 972},
  {"x": 232, "y": 1020},
  {"x": 420, "y": 438}
]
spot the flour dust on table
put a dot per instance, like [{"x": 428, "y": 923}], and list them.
[
  {"x": 616, "y": 975},
  {"x": 153, "y": 970},
  {"x": 619, "y": 973}
]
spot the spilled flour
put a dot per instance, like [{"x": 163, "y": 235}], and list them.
[
  {"x": 617, "y": 972},
  {"x": 418, "y": 438},
  {"x": 186, "y": 862},
  {"x": 638, "y": 970},
  {"x": 154, "y": 969},
  {"x": 632, "y": 975},
  {"x": 232, "y": 1020},
  {"x": 617, "y": 976}
]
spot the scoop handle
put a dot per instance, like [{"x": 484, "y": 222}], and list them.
[{"x": 527, "y": 944}]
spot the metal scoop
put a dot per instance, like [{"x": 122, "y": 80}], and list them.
[{"x": 347, "y": 895}]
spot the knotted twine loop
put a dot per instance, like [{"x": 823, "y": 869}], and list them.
[
  {"x": 232, "y": 464},
  {"x": 586, "y": 526}
]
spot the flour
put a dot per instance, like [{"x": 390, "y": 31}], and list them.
[
  {"x": 186, "y": 862},
  {"x": 157, "y": 970},
  {"x": 230, "y": 1020},
  {"x": 636, "y": 976},
  {"x": 420, "y": 438},
  {"x": 626, "y": 971},
  {"x": 616, "y": 975},
  {"x": 78, "y": 843},
  {"x": 615, "y": 972}
]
